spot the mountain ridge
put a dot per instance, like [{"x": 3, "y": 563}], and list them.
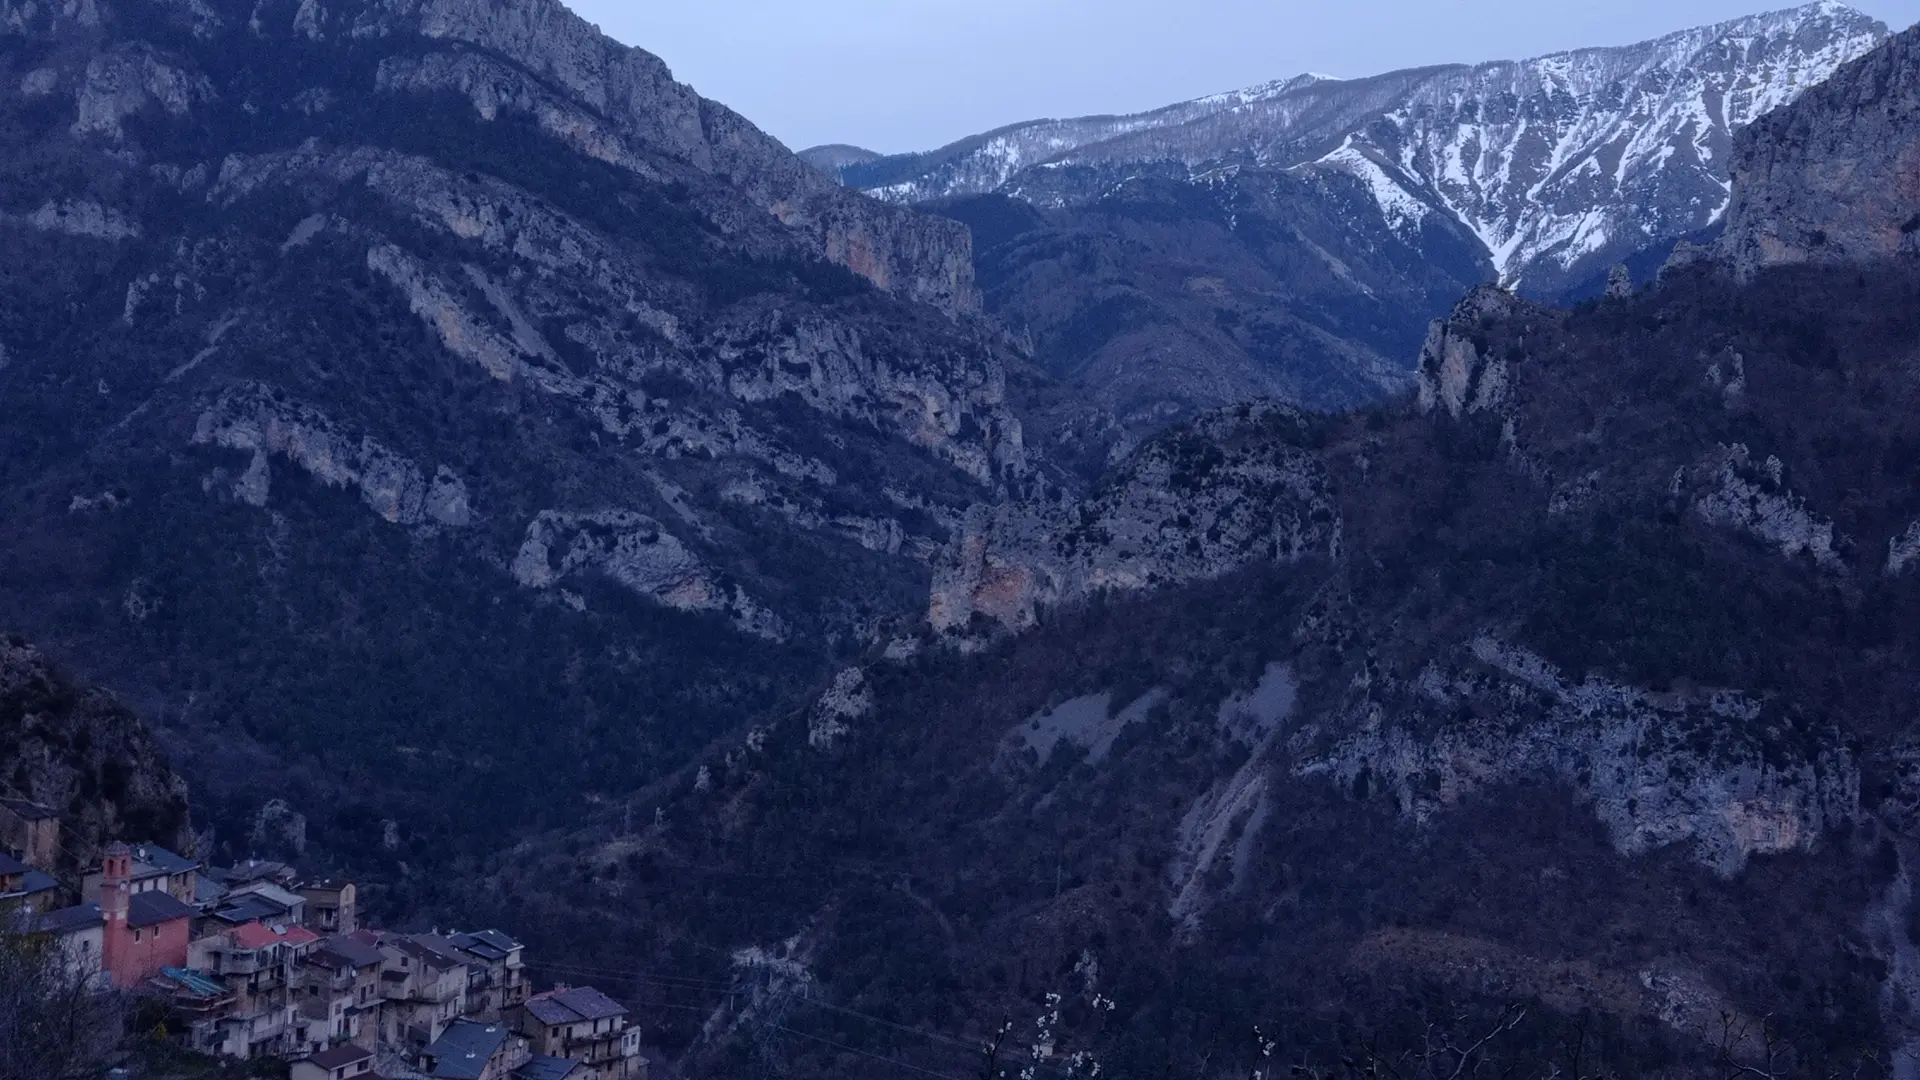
[
  {"x": 346, "y": 341},
  {"x": 1394, "y": 131},
  {"x": 1562, "y": 698}
]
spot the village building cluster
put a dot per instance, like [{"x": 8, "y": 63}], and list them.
[{"x": 255, "y": 961}]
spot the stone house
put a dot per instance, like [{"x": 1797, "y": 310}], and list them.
[
  {"x": 341, "y": 990},
  {"x": 30, "y": 833},
  {"x": 423, "y": 983},
  {"x": 260, "y": 901},
  {"x": 197, "y": 1003},
  {"x": 496, "y": 973},
  {"x": 585, "y": 1025},
  {"x": 338, "y": 1063},
  {"x": 474, "y": 1050},
  {"x": 260, "y": 966},
  {"x": 24, "y": 886},
  {"x": 332, "y": 906},
  {"x": 79, "y": 934}
]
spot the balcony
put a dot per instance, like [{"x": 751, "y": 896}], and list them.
[
  {"x": 267, "y": 1024},
  {"x": 237, "y": 963},
  {"x": 599, "y": 1049}
]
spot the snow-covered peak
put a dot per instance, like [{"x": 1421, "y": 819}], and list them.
[
  {"x": 1551, "y": 162},
  {"x": 1562, "y": 158}
]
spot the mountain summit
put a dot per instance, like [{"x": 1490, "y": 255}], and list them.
[{"x": 1560, "y": 166}]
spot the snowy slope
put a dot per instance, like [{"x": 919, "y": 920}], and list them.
[
  {"x": 1554, "y": 163},
  {"x": 1552, "y": 160}
]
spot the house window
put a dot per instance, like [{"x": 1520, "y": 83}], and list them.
[{"x": 136, "y": 934}]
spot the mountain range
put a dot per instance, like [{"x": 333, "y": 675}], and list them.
[
  {"x": 1550, "y": 719},
  {"x": 882, "y": 638},
  {"x": 1293, "y": 240},
  {"x": 1558, "y": 166},
  {"x": 350, "y": 348}
]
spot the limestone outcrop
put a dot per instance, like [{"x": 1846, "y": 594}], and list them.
[
  {"x": 1711, "y": 770},
  {"x": 635, "y": 551},
  {"x": 80, "y": 752},
  {"x": 1233, "y": 489},
  {"x": 1835, "y": 177},
  {"x": 266, "y": 423}
]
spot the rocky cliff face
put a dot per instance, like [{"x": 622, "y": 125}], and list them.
[
  {"x": 1531, "y": 687},
  {"x": 1233, "y": 489},
  {"x": 1837, "y": 177},
  {"x": 542, "y": 63},
  {"x": 1294, "y": 240},
  {"x": 81, "y": 752},
  {"x": 1558, "y": 166},
  {"x": 1709, "y": 772},
  {"x": 1577, "y": 679},
  {"x": 323, "y": 311}
]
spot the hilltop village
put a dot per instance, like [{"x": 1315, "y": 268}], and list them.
[{"x": 254, "y": 961}]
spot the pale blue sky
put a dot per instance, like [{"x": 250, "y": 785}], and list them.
[{"x": 898, "y": 75}]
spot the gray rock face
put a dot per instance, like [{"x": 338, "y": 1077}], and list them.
[
  {"x": 923, "y": 259},
  {"x": 1832, "y": 179},
  {"x": 1228, "y": 491},
  {"x": 82, "y": 218},
  {"x": 847, "y": 702},
  {"x": 120, "y": 83},
  {"x": 635, "y": 551},
  {"x": 470, "y": 266},
  {"x": 257, "y": 419},
  {"x": 1734, "y": 491},
  {"x": 1558, "y": 165},
  {"x": 1454, "y": 373},
  {"x": 1636, "y": 758},
  {"x": 59, "y": 740}
]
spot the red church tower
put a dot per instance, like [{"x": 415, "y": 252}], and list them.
[
  {"x": 116, "y": 895},
  {"x": 144, "y": 931}
]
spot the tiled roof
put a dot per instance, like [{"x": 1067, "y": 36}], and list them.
[
  {"x": 463, "y": 1050},
  {"x": 163, "y": 860},
  {"x": 155, "y": 907},
  {"x": 35, "y": 882},
  {"x": 350, "y": 952},
  {"x": 541, "y": 1067},
  {"x": 11, "y": 865},
  {"x": 572, "y": 1005},
  {"x": 248, "y": 908},
  {"x": 433, "y": 950},
  {"x": 258, "y": 936},
  {"x": 251, "y": 870},
  {"x": 496, "y": 939},
  {"x": 207, "y": 891},
  {"x": 267, "y": 890},
  {"x": 69, "y": 920},
  {"x": 340, "y": 1056},
  {"x": 485, "y": 944}
]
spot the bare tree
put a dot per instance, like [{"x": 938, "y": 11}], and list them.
[
  {"x": 1441, "y": 1054},
  {"x": 53, "y": 1024},
  {"x": 991, "y": 1070}
]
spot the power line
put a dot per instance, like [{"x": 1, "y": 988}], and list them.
[
  {"x": 732, "y": 991},
  {"x": 863, "y": 1053}
]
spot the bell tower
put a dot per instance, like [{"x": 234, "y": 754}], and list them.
[{"x": 116, "y": 893}]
